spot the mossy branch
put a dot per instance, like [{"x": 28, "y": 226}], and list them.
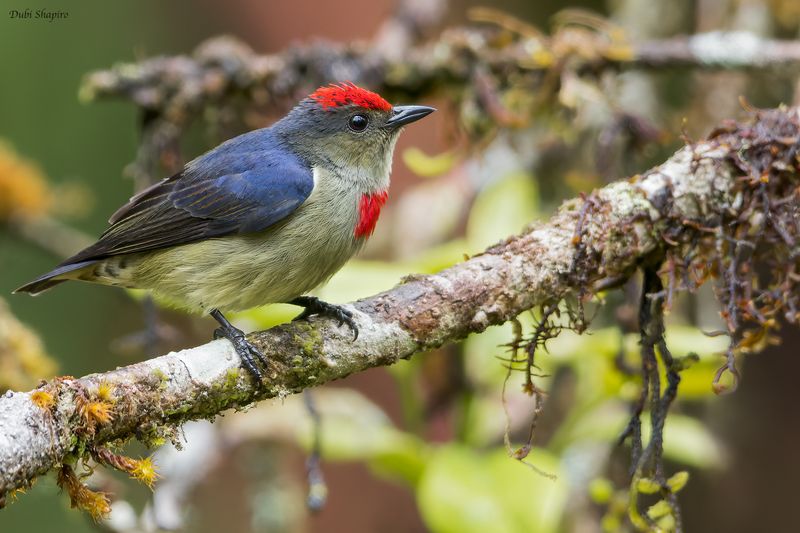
[
  {"x": 501, "y": 72},
  {"x": 591, "y": 243}
]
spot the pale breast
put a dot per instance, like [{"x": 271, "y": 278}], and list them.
[{"x": 244, "y": 271}]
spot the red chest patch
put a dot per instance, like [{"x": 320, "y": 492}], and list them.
[{"x": 369, "y": 209}]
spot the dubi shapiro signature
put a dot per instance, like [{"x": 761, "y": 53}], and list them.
[{"x": 38, "y": 14}]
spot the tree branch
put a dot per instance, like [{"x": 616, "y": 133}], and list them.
[
  {"x": 475, "y": 65},
  {"x": 178, "y": 86},
  {"x": 589, "y": 243}
]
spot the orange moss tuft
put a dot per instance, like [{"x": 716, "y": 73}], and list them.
[
  {"x": 96, "y": 504},
  {"x": 105, "y": 392},
  {"x": 97, "y": 412},
  {"x": 43, "y": 399},
  {"x": 14, "y": 494},
  {"x": 144, "y": 470}
]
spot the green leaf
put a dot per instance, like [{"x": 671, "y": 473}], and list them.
[
  {"x": 439, "y": 257},
  {"x": 356, "y": 429},
  {"x": 688, "y": 441},
  {"x": 266, "y": 316},
  {"x": 696, "y": 380},
  {"x": 405, "y": 460},
  {"x": 426, "y": 165},
  {"x": 502, "y": 209},
  {"x": 646, "y": 485},
  {"x": 359, "y": 279},
  {"x": 677, "y": 481},
  {"x": 683, "y": 340},
  {"x": 610, "y": 523},
  {"x": 353, "y": 429},
  {"x": 659, "y": 509},
  {"x": 666, "y": 523},
  {"x": 601, "y": 490},
  {"x": 482, "y": 351},
  {"x": 574, "y": 348},
  {"x": 463, "y": 491}
]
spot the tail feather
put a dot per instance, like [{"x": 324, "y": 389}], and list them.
[{"x": 53, "y": 278}]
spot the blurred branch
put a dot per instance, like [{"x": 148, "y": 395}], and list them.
[
  {"x": 412, "y": 20},
  {"x": 591, "y": 243},
  {"x": 50, "y": 234},
  {"x": 503, "y": 72},
  {"x": 178, "y": 87},
  {"x": 718, "y": 50}
]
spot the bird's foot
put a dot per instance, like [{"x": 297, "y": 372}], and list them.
[
  {"x": 315, "y": 306},
  {"x": 247, "y": 352}
]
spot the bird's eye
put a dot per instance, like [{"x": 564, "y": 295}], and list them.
[{"x": 358, "y": 123}]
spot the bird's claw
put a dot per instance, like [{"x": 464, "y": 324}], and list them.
[
  {"x": 247, "y": 352},
  {"x": 315, "y": 306}
]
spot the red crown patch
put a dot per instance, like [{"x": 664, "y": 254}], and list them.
[{"x": 335, "y": 95}]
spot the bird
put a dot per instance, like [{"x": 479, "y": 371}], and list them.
[{"x": 265, "y": 217}]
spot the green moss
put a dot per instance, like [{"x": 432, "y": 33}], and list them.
[
  {"x": 306, "y": 365},
  {"x": 309, "y": 339},
  {"x": 161, "y": 377},
  {"x": 223, "y": 394},
  {"x": 158, "y": 435},
  {"x": 182, "y": 409},
  {"x": 231, "y": 378},
  {"x": 77, "y": 449}
]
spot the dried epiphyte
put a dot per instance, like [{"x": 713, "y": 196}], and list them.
[
  {"x": 647, "y": 461},
  {"x": 521, "y": 453},
  {"x": 760, "y": 226},
  {"x": 523, "y": 358},
  {"x": 96, "y": 504},
  {"x": 143, "y": 470},
  {"x": 660, "y": 377}
]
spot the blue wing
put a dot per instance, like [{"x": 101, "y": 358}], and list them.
[{"x": 243, "y": 186}]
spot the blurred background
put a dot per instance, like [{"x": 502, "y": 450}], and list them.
[{"x": 419, "y": 446}]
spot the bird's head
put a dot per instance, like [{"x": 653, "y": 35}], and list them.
[{"x": 348, "y": 129}]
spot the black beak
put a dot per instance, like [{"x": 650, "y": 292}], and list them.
[{"x": 406, "y": 114}]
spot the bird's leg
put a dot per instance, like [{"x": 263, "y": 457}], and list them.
[
  {"x": 317, "y": 489},
  {"x": 315, "y": 306},
  {"x": 244, "y": 348}
]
